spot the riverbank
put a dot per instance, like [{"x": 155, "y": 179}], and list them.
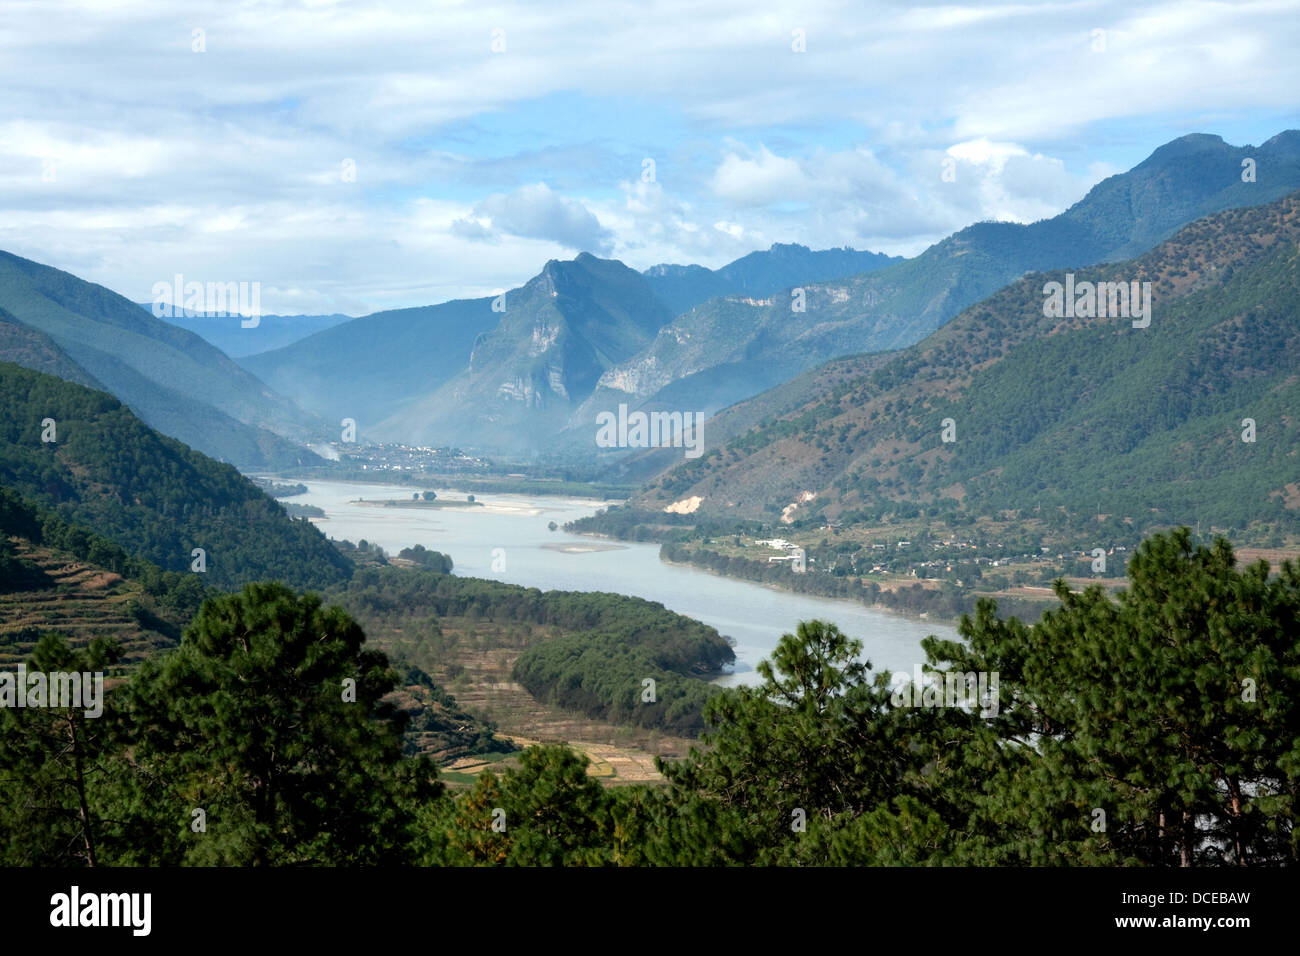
[
  {"x": 510, "y": 539},
  {"x": 915, "y": 602}
]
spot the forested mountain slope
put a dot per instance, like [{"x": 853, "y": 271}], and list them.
[
  {"x": 1071, "y": 415},
  {"x": 150, "y": 494}
]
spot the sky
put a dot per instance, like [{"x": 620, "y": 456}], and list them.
[{"x": 372, "y": 154}]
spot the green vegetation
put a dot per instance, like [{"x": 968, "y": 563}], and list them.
[
  {"x": 1070, "y": 434},
  {"x": 168, "y": 597},
  {"x": 608, "y": 645},
  {"x": 1157, "y": 728},
  {"x": 605, "y": 675},
  {"x": 730, "y": 349},
  {"x": 151, "y": 495},
  {"x": 279, "y": 490},
  {"x": 433, "y": 560}
]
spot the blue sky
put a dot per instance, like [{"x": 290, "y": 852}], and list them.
[{"x": 488, "y": 138}]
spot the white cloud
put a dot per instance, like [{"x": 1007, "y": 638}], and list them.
[
  {"x": 759, "y": 180},
  {"x": 167, "y": 160},
  {"x": 536, "y": 212}
]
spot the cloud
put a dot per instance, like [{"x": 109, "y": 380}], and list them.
[
  {"x": 759, "y": 180},
  {"x": 536, "y": 212},
  {"x": 236, "y": 163}
]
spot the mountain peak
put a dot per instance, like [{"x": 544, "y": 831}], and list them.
[
  {"x": 1288, "y": 141},
  {"x": 1184, "y": 146}
]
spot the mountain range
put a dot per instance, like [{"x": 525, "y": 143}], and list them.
[
  {"x": 534, "y": 376},
  {"x": 731, "y": 348},
  {"x": 782, "y": 266},
  {"x": 509, "y": 379},
  {"x": 1192, "y": 417},
  {"x": 234, "y": 335},
  {"x": 533, "y": 371}
]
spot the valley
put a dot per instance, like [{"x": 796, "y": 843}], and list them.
[{"x": 625, "y": 565}]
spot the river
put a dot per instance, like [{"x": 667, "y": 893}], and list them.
[{"x": 508, "y": 539}]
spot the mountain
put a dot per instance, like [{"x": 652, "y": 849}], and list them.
[
  {"x": 759, "y": 274},
  {"x": 227, "y": 330},
  {"x": 1067, "y": 416},
  {"x": 149, "y": 494},
  {"x": 731, "y": 348},
  {"x": 368, "y": 368},
  {"x": 174, "y": 380},
  {"x": 557, "y": 336},
  {"x": 462, "y": 362}
]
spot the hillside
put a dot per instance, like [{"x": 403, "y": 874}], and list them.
[
  {"x": 173, "y": 379},
  {"x": 737, "y": 347},
  {"x": 1062, "y": 417},
  {"x": 95, "y": 591},
  {"x": 58, "y": 592},
  {"x": 150, "y": 494},
  {"x": 24, "y": 346}
]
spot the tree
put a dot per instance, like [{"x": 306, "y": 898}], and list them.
[
  {"x": 1157, "y": 728},
  {"x": 559, "y": 814},
  {"x": 815, "y": 740},
  {"x": 50, "y": 759},
  {"x": 271, "y": 719},
  {"x": 545, "y": 812}
]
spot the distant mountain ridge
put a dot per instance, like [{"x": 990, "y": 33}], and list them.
[
  {"x": 229, "y": 332},
  {"x": 349, "y": 370},
  {"x": 759, "y": 274},
  {"x": 556, "y": 336}
]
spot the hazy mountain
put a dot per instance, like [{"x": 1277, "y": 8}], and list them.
[
  {"x": 175, "y": 380},
  {"x": 227, "y": 331},
  {"x": 349, "y": 370},
  {"x": 759, "y": 273},
  {"x": 557, "y": 336},
  {"x": 731, "y": 348},
  {"x": 367, "y": 369},
  {"x": 1084, "y": 413}
]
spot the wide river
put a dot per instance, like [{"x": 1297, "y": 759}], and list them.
[{"x": 509, "y": 539}]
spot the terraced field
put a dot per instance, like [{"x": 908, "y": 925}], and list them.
[
  {"x": 77, "y": 599},
  {"x": 473, "y": 658}
]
